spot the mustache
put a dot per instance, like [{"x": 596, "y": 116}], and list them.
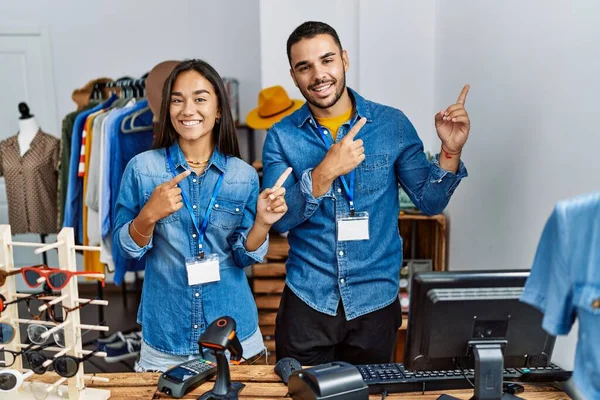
[{"x": 320, "y": 82}]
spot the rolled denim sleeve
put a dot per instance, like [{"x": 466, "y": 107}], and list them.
[
  {"x": 242, "y": 257},
  {"x": 127, "y": 208},
  {"x": 130, "y": 248},
  {"x": 299, "y": 198},
  {"x": 427, "y": 184}
]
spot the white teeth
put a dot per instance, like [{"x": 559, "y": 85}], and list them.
[
  {"x": 322, "y": 88},
  {"x": 190, "y": 123}
]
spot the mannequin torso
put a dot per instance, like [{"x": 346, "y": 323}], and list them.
[{"x": 28, "y": 128}]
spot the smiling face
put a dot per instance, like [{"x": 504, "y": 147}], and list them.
[
  {"x": 318, "y": 67},
  {"x": 193, "y": 107}
]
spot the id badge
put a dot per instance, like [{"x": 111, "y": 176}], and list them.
[
  {"x": 353, "y": 227},
  {"x": 202, "y": 270}
]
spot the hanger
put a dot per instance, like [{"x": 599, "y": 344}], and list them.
[
  {"x": 132, "y": 117},
  {"x": 121, "y": 83}
]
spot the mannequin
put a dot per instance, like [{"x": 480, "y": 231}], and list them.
[{"x": 28, "y": 128}]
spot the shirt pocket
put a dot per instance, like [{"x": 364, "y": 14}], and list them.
[
  {"x": 372, "y": 173},
  {"x": 171, "y": 218},
  {"x": 587, "y": 302},
  {"x": 226, "y": 214}
]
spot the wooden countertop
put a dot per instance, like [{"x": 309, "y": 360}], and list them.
[{"x": 262, "y": 383}]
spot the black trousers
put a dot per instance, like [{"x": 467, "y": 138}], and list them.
[{"x": 313, "y": 338}]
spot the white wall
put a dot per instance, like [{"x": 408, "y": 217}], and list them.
[
  {"x": 116, "y": 38},
  {"x": 396, "y": 64},
  {"x": 533, "y": 69}
]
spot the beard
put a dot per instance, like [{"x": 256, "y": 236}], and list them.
[{"x": 325, "y": 103}]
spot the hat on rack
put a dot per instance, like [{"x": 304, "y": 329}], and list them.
[
  {"x": 273, "y": 104},
  {"x": 155, "y": 82},
  {"x": 81, "y": 96}
]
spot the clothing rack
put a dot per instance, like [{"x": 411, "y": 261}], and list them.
[
  {"x": 71, "y": 326},
  {"x": 134, "y": 87}
]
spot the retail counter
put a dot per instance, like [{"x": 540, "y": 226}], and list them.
[{"x": 262, "y": 383}]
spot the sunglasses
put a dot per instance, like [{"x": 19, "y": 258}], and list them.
[
  {"x": 4, "y": 275},
  {"x": 65, "y": 311},
  {"x": 7, "y": 332},
  {"x": 35, "y": 332},
  {"x": 65, "y": 366},
  {"x": 31, "y": 301},
  {"x": 11, "y": 380},
  {"x": 8, "y": 357},
  {"x": 41, "y": 390},
  {"x": 56, "y": 278}
]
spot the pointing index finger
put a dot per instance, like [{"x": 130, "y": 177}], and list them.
[
  {"x": 179, "y": 178},
  {"x": 462, "y": 97},
  {"x": 282, "y": 178},
  {"x": 355, "y": 129}
]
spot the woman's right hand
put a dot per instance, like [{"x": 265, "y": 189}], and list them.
[{"x": 164, "y": 201}]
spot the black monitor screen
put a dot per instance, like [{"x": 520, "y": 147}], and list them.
[{"x": 451, "y": 311}]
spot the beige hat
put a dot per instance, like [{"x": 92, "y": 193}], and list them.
[{"x": 154, "y": 85}]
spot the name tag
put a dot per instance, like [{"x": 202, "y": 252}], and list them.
[
  {"x": 203, "y": 270},
  {"x": 353, "y": 227}
]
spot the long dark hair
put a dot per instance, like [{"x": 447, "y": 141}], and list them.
[{"x": 224, "y": 132}]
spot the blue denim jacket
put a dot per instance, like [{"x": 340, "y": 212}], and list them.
[
  {"x": 121, "y": 148},
  {"x": 173, "y": 315},
  {"x": 564, "y": 283},
  {"x": 365, "y": 274}
]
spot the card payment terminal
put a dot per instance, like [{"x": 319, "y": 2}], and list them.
[{"x": 180, "y": 379}]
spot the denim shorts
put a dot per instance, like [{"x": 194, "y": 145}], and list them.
[{"x": 152, "y": 360}]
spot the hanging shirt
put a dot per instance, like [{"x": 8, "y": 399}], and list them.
[
  {"x": 564, "y": 283},
  {"x": 73, "y": 216},
  {"x": 65, "y": 157},
  {"x": 91, "y": 259},
  {"x": 123, "y": 146},
  {"x": 31, "y": 183},
  {"x": 93, "y": 182}
]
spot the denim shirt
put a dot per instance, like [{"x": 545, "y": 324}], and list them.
[
  {"x": 364, "y": 274},
  {"x": 173, "y": 314},
  {"x": 121, "y": 147},
  {"x": 564, "y": 283}
]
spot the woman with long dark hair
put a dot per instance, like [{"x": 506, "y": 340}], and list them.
[{"x": 193, "y": 209}]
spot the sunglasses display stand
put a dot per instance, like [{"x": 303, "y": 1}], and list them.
[{"x": 65, "y": 245}]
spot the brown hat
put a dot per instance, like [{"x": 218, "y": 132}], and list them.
[
  {"x": 155, "y": 82},
  {"x": 273, "y": 104},
  {"x": 81, "y": 96}
]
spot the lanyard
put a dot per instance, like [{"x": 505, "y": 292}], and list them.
[
  {"x": 348, "y": 189},
  {"x": 201, "y": 230}
]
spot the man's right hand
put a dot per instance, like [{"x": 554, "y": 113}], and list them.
[
  {"x": 343, "y": 157},
  {"x": 165, "y": 200}
]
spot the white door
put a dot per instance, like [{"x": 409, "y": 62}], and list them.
[{"x": 25, "y": 75}]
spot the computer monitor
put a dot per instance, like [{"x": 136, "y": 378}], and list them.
[{"x": 474, "y": 320}]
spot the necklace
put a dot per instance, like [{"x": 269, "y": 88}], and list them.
[{"x": 198, "y": 162}]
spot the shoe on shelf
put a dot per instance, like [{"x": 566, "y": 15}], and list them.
[
  {"x": 119, "y": 351},
  {"x": 117, "y": 337}
]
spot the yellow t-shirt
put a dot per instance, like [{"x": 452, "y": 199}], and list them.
[{"x": 333, "y": 123}]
